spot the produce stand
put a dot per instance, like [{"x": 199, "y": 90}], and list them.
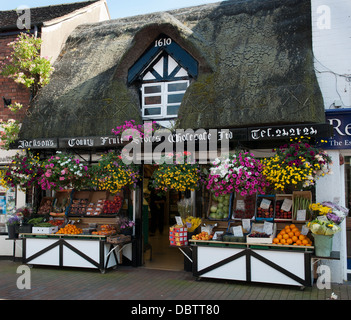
[
  {"x": 82, "y": 251},
  {"x": 249, "y": 262}
]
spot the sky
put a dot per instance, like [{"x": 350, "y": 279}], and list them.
[{"x": 117, "y": 8}]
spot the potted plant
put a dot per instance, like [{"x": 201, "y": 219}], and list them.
[{"x": 13, "y": 224}]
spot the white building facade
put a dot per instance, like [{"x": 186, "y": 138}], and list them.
[{"x": 331, "y": 34}]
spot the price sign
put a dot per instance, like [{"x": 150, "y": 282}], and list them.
[
  {"x": 268, "y": 227},
  {"x": 265, "y": 203},
  {"x": 240, "y": 205},
  {"x": 301, "y": 215},
  {"x": 286, "y": 206},
  {"x": 246, "y": 224},
  {"x": 238, "y": 231},
  {"x": 179, "y": 220}
]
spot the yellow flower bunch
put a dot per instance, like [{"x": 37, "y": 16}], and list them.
[
  {"x": 177, "y": 175},
  {"x": 112, "y": 174},
  {"x": 280, "y": 175},
  {"x": 298, "y": 163},
  {"x": 3, "y": 183},
  {"x": 322, "y": 210}
]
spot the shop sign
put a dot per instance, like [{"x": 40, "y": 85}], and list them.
[
  {"x": 36, "y": 144},
  {"x": 288, "y": 131},
  {"x": 340, "y": 120},
  {"x": 90, "y": 142}
]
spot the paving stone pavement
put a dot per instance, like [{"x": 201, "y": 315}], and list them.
[{"x": 142, "y": 284}]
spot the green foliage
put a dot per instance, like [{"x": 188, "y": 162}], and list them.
[{"x": 25, "y": 66}]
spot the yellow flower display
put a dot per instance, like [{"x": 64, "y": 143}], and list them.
[
  {"x": 112, "y": 174},
  {"x": 176, "y": 176},
  {"x": 299, "y": 164}
]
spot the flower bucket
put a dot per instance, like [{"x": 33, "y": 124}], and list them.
[
  {"x": 12, "y": 231},
  {"x": 323, "y": 245}
]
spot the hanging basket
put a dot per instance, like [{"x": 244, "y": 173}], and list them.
[{"x": 323, "y": 245}]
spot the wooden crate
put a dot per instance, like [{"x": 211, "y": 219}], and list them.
[
  {"x": 278, "y": 199},
  {"x": 300, "y": 194}
]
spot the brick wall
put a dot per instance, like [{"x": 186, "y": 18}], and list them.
[{"x": 8, "y": 88}]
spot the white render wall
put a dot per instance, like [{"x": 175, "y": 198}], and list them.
[{"x": 331, "y": 34}]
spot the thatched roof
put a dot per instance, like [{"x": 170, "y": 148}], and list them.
[{"x": 255, "y": 67}]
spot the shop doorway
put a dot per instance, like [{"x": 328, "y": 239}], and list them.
[{"x": 158, "y": 254}]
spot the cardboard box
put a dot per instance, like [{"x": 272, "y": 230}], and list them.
[
  {"x": 46, "y": 230},
  {"x": 178, "y": 236}
]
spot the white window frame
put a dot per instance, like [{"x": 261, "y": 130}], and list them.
[{"x": 164, "y": 98}]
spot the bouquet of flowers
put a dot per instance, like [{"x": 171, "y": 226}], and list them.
[
  {"x": 112, "y": 174},
  {"x": 23, "y": 171},
  {"x": 62, "y": 171},
  {"x": 298, "y": 164},
  {"x": 337, "y": 214},
  {"x": 177, "y": 172},
  {"x": 185, "y": 207},
  {"x": 323, "y": 226},
  {"x": 240, "y": 172},
  {"x": 327, "y": 218}
]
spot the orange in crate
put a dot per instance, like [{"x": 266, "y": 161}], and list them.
[{"x": 291, "y": 235}]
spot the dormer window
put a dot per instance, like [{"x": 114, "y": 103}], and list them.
[{"x": 164, "y": 73}]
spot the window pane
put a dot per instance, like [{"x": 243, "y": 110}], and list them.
[
  {"x": 181, "y": 86},
  {"x": 152, "y": 89},
  {"x": 172, "y": 110},
  {"x": 152, "y": 111},
  {"x": 152, "y": 100},
  {"x": 175, "y": 98}
]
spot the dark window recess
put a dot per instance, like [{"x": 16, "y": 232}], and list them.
[
  {"x": 153, "y": 89},
  {"x": 172, "y": 110},
  {"x": 182, "y": 86},
  {"x": 175, "y": 98},
  {"x": 153, "y": 100},
  {"x": 152, "y": 111}
]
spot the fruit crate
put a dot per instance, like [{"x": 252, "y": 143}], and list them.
[
  {"x": 265, "y": 208},
  {"x": 265, "y": 240},
  {"x": 301, "y": 201},
  {"x": 223, "y": 205},
  {"x": 283, "y": 207},
  {"x": 244, "y": 206},
  {"x": 118, "y": 239}
]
